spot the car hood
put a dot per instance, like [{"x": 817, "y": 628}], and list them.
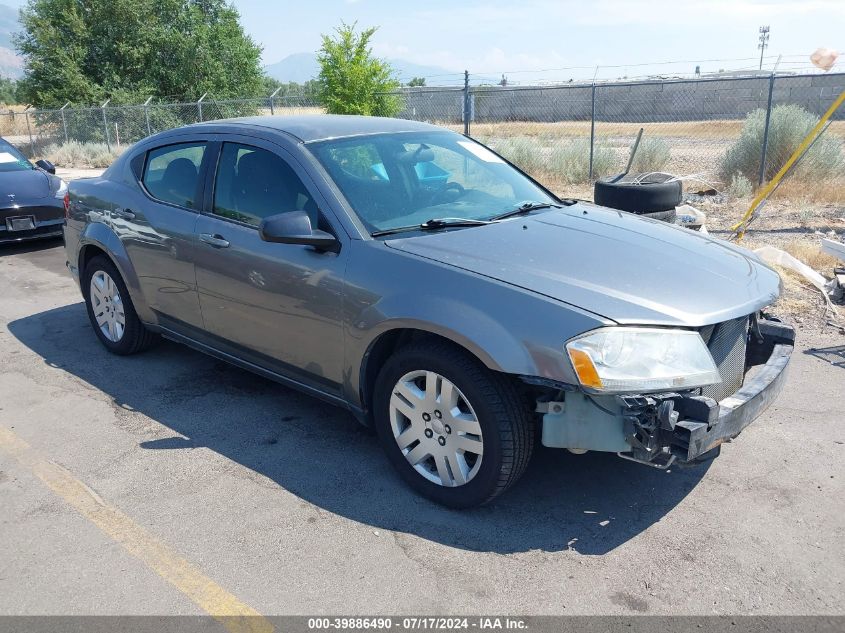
[
  {"x": 24, "y": 185},
  {"x": 611, "y": 263}
]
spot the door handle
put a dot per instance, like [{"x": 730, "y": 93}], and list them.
[
  {"x": 123, "y": 214},
  {"x": 214, "y": 240}
]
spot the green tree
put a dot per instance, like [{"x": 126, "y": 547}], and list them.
[
  {"x": 309, "y": 89},
  {"x": 352, "y": 80},
  {"x": 8, "y": 91},
  {"x": 417, "y": 82},
  {"x": 87, "y": 51}
]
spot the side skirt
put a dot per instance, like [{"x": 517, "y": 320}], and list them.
[{"x": 257, "y": 369}]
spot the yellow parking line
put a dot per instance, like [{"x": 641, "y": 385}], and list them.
[{"x": 233, "y": 614}]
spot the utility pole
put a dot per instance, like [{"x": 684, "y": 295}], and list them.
[{"x": 764, "y": 43}]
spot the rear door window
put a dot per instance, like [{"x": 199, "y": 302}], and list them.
[{"x": 172, "y": 173}]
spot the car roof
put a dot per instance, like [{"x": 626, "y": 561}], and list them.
[{"x": 318, "y": 127}]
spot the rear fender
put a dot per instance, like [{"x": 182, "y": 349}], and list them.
[{"x": 98, "y": 235}]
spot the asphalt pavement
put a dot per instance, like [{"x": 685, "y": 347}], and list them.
[{"x": 173, "y": 483}]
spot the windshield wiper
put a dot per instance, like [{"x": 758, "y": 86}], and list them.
[
  {"x": 528, "y": 207},
  {"x": 439, "y": 223},
  {"x": 433, "y": 224}
]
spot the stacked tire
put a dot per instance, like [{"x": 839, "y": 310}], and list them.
[{"x": 652, "y": 196}]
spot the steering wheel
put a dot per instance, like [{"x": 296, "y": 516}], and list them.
[{"x": 446, "y": 187}]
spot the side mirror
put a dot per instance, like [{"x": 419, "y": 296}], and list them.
[
  {"x": 46, "y": 165},
  {"x": 295, "y": 227}
]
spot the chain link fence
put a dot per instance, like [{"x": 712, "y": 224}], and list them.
[
  {"x": 34, "y": 131},
  {"x": 725, "y": 131}
]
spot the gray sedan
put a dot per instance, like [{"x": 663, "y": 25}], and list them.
[{"x": 418, "y": 279}]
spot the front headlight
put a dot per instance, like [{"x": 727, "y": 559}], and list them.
[
  {"x": 633, "y": 359},
  {"x": 61, "y": 191}
]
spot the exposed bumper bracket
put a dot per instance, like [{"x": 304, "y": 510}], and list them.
[{"x": 691, "y": 426}]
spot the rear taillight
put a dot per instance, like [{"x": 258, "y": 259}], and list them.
[{"x": 66, "y": 200}]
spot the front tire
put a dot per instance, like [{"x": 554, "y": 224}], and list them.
[
  {"x": 110, "y": 309},
  {"x": 455, "y": 431}
]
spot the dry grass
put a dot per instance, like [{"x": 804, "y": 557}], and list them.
[
  {"x": 811, "y": 254},
  {"x": 797, "y": 297},
  {"x": 711, "y": 130},
  {"x": 801, "y": 302},
  {"x": 81, "y": 155},
  {"x": 13, "y": 121},
  {"x": 827, "y": 191}
]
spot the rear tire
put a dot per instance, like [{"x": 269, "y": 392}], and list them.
[
  {"x": 110, "y": 309},
  {"x": 490, "y": 445}
]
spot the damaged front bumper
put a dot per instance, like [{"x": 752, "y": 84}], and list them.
[{"x": 661, "y": 428}]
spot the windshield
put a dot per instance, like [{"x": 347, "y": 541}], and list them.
[
  {"x": 11, "y": 159},
  {"x": 404, "y": 179}
]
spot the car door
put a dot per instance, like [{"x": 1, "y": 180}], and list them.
[
  {"x": 276, "y": 305},
  {"x": 156, "y": 226}
]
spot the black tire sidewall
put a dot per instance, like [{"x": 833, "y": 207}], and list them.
[
  {"x": 648, "y": 197},
  {"x": 663, "y": 216},
  {"x": 484, "y": 484}
]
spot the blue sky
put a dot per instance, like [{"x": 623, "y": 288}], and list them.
[
  {"x": 495, "y": 36},
  {"x": 490, "y": 37}
]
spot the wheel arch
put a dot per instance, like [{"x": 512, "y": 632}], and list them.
[
  {"x": 390, "y": 340},
  {"x": 98, "y": 239}
]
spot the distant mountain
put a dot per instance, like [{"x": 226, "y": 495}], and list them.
[
  {"x": 10, "y": 64},
  {"x": 300, "y": 67}
]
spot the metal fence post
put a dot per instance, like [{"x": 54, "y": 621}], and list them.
[
  {"x": 199, "y": 105},
  {"x": 766, "y": 132},
  {"x": 272, "y": 96},
  {"x": 592, "y": 122},
  {"x": 29, "y": 131},
  {"x": 147, "y": 115},
  {"x": 466, "y": 102},
  {"x": 106, "y": 124},
  {"x": 64, "y": 123}
]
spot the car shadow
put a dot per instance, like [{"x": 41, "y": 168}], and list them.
[
  {"x": 30, "y": 246},
  {"x": 590, "y": 503}
]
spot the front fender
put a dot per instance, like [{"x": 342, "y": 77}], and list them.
[
  {"x": 101, "y": 236},
  {"x": 466, "y": 325},
  {"x": 509, "y": 329}
]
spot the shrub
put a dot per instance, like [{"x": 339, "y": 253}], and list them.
[
  {"x": 571, "y": 162},
  {"x": 567, "y": 161},
  {"x": 76, "y": 154},
  {"x": 523, "y": 152},
  {"x": 740, "y": 186},
  {"x": 788, "y": 125},
  {"x": 652, "y": 155}
]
